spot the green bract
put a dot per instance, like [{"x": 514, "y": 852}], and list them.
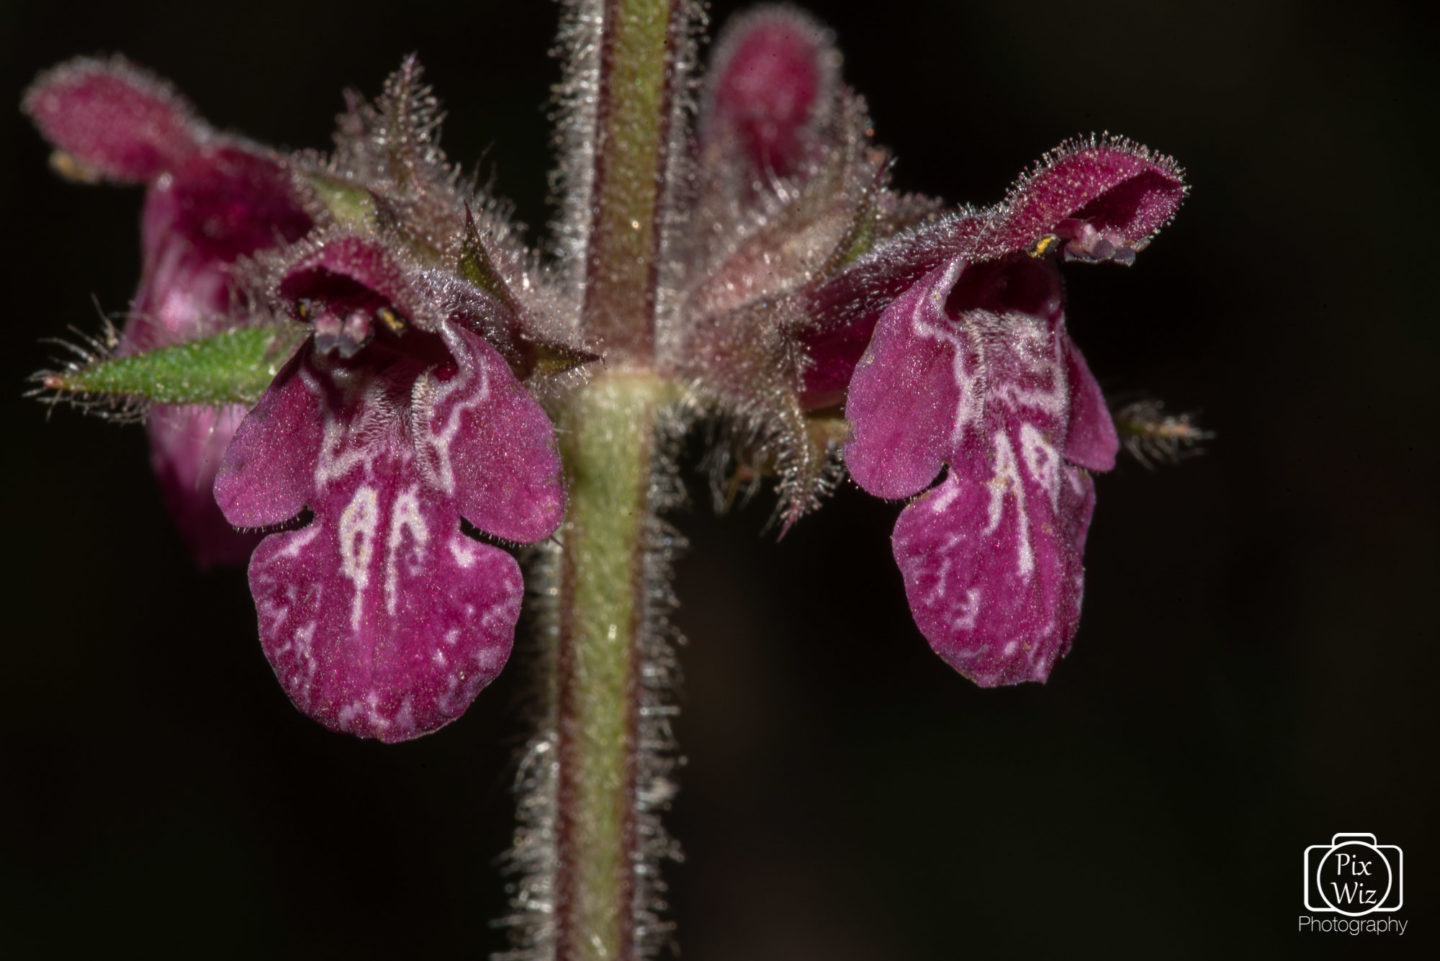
[{"x": 231, "y": 367}]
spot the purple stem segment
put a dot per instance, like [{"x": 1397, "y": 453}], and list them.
[
  {"x": 599, "y": 875},
  {"x": 635, "y": 93}
]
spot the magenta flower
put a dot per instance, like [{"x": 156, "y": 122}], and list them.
[
  {"x": 971, "y": 368},
  {"x": 381, "y": 616},
  {"x": 396, "y": 418},
  {"x": 212, "y": 200}
]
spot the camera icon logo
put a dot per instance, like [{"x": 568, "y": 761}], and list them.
[{"x": 1354, "y": 876}]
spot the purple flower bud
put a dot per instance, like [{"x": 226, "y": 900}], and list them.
[{"x": 773, "y": 80}]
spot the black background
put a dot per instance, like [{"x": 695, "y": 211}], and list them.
[{"x": 1254, "y": 668}]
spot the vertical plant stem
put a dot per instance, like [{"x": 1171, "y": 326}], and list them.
[
  {"x": 632, "y": 132},
  {"x": 590, "y": 840},
  {"x": 608, "y": 444}
]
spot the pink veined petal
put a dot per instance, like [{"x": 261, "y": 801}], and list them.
[
  {"x": 844, "y": 310},
  {"x": 992, "y": 578},
  {"x": 380, "y": 617},
  {"x": 484, "y": 441},
  {"x": 270, "y": 469},
  {"x": 1091, "y": 441},
  {"x": 113, "y": 118},
  {"x": 989, "y": 557},
  {"x": 906, "y": 391}
]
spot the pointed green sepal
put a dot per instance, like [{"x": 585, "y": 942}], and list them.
[
  {"x": 477, "y": 266},
  {"x": 548, "y": 358},
  {"x": 232, "y": 367}
]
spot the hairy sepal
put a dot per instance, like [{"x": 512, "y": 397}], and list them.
[{"x": 231, "y": 367}]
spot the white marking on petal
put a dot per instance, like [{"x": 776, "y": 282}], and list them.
[
  {"x": 464, "y": 552},
  {"x": 358, "y": 523},
  {"x": 1041, "y": 350},
  {"x": 487, "y": 659},
  {"x": 305, "y": 640},
  {"x": 936, "y": 594},
  {"x": 1006, "y": 480},
  {"x": 304, "y": 651},
  {"x": 405, "y": 517},
  {"x": 967, "y": 359},
  {"x": 348, "y": 443},
  {"x": 405, "y": 717},
  {"x": 1042, "y": 461},
  {"x": 946, "y": 496},
  {"x": 967, "y": 612},
  {"x": 300, "y": 540},
  {"x": 474, "y": 379}
]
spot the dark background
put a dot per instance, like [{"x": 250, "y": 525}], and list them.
[{"x": 1254, "y": 669}]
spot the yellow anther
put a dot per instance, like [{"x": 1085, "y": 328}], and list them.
[
  {"x": 67, "y": 166},
  {"x": 390, "y": 319},
  {"x": 1043, "y": 244}
]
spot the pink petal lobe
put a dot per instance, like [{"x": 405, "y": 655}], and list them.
[
  {"x": 113, "y": 118},
  {"x": 990, "y": 557},
  {"x": 1091, "y": 441},
  {"x": 844, "y": 310},
  {"x": 226, "y": 201},
  {"x": 1103, "y": 197},
  {"x": 381, "y": 618},
  {"x": 270, "y": 469},
  {"x": 906, "y": 390},
  {"x": 483, "y": 440},
  {"x": 992, "y": 579},
  {"x": 1077, "y": 505}
]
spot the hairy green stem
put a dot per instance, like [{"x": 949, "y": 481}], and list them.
[
  {"x": 590, "y": 842},
  {"x": 608, "y": 444}
]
